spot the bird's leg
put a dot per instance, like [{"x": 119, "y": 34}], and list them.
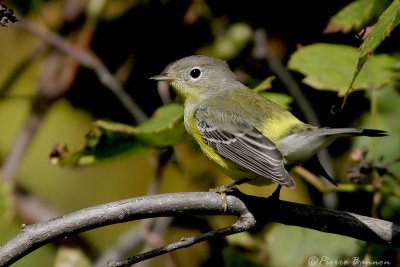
[
  {"x": 229, "y": 187},
  {"x": 222, "y": 190},
  {"x": 275, "y": 195}
]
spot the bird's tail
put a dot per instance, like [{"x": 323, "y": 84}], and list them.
[{"x": 355, "y": 132}]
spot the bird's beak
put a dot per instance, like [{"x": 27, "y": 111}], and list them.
[{"x": 163, "y": 77}]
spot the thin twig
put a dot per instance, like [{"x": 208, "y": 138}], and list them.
[
  {"x": 163, "y": 92},
  {"x": 21, "y": 144},
  {"x": 154, "y": 237},
  {"x": 262, "y": 50},
  {"x": 155, "y": 229},
  {"x": 246, "y": 221},
  {"x": 32, "y": 209},
  {"x": 52, "y": 86},
  {"x": 135, "y": 237},
  {"x": 88, "y": 60},
  {"x": 55, "y": 80}
]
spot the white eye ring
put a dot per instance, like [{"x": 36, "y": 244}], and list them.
[{"x": 195, "y": 73}]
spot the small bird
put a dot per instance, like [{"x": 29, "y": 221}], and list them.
[{"x": 252, "y": 139}]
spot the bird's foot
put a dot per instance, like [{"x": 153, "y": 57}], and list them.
[{"x": 223, "y": 190}]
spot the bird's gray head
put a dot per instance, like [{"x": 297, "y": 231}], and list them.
[{"x": 198, "y": 76}]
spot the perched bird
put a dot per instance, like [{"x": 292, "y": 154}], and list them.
[{"x": 251, "y": 138}]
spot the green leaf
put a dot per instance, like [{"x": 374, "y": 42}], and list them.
[
  {"x": 389, "y": 19},
  {"x": 356, "y": 15},
  {"x": 230, "y": 42},
  {"x": 110, "y": 140},
  {"x": 282, "y": 99},
  {"x": 164, "y": 128},
  {"x": 279, "y": 98},
  {"x": 331, "y": 67},
  {"x": 236, "y": 258},
  {"x": 306, "y": 247},
  {"x": 264, "y": 85}
]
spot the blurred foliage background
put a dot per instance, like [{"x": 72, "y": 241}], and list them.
[{"x": 68, "y": 63}]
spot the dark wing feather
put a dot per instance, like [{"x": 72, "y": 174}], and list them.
[{"x": 246, "y": 146}]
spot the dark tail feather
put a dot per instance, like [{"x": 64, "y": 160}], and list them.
[
  {"x": 371, "y": 132},
  {"x": 354, "y": 132}
]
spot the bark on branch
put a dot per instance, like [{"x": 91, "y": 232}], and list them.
[{"x": 248, "y": 209}]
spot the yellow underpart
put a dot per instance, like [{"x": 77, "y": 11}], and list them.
[
  {"x": 227, "y": 166},
  {"x": 273, "y": 121}
]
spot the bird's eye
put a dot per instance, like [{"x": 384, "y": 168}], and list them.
[{"x": 195, "y": 73}]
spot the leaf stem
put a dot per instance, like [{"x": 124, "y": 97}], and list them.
[{"x": 374, "y": 122}]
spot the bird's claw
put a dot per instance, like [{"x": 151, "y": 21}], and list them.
[{"x": 222, "y": 191}]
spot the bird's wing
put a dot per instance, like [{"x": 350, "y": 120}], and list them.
[{"x": 243, "y": 144}]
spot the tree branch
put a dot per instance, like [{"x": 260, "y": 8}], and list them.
[
  {"x": 88, "y": 60},
  {"x": 202, "y": 203},
  {"x": 245, "y": 222}
]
